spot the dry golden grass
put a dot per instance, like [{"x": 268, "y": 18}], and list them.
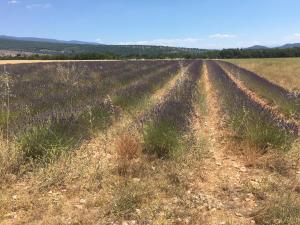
[
  {"x": 128, "y": 148},
  {"x": 282, "y": 71},
  {"x": 10, "y": 161}
]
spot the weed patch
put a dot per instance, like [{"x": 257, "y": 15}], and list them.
[
  {"x": 127, "y": 200},
  {"x": 283, "y": 210}
]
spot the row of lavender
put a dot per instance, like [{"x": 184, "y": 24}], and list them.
[
  {"x": 60, "y": 92},
  {"x": 164, "y": 127},
  {"x": 287, "y": 101},
  {"x": 178, "y": 103},
  {"x": 241, "y": 99},
  {"x": 60, "y": 83},
  {"x": 249, "y": 117}
]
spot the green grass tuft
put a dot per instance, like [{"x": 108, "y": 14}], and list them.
[
  {"x": 162, "y": 139},
  {"x": 249, "y": 126},
  {"x": 45, "y": 143}
]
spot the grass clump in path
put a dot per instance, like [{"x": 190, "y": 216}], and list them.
[
  {"x": 250, "y": 126},
  {"x": 162, "y": 139}
]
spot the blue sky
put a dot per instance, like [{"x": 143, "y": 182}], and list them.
[{"x": 186, "y": 23}]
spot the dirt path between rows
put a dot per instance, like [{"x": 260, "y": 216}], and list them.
[{"x": 224, "y": 171}]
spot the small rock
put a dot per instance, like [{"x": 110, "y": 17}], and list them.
[
  {"x": 297, "y": 189},
  {"x": 250, "y": 195},
  {"x": 222, "y": 223},
  {"x": 252, "y": 221},
  {"x": 187, "y": 221},
  {"x": 236, "y": 199},
  {"x": 238, "y": 214},
  {"x": 298, "y": 172},
  {"x": 138, "y": 211},
  {"x": 82, "y": 201},
  {"x": 243, "y": 169},
  {"x": 12, "y": 215},
  {"x": 235, "y": 165},
  {"x": 247, "y": 199},
  {"x": 136, "y": 180},
  {"x": 78, "y": 206},
  {"x": 125, "y": 223},
  {"x": 175, "y": 200},
  {"x": 255, "y": 184},
  {"x": 218, "y": 164},
  {"x": 14, "y": 197}
]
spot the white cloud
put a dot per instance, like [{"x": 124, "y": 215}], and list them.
[
  {"x": 222, "y": 36},
  {"x": 13, "y": 2},
  {"x": 176, "y": 42},
  {"x": 293, "y": 37},
  {"x": 42, "y": 6},
  {"x": 99, "y": 40}
]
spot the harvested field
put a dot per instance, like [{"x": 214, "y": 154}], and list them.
[{"x": 146, "y": 142}]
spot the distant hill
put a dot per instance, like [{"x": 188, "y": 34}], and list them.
[
  {"x": 255, "y": 47},
  {"x": 258, "y": 47},
  {"x": 47, "y": 40},
  {"x": 18, "y": 46},
  {"x": 52, "y": 47},
  {"x": 295, "y": 45}
]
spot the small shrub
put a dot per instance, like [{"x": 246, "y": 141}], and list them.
[
  {"x": 128, "y": 148},
  {"x": 265, "y": 135},
  {"x": 276, "y": 162},
  {"x": 46, "y": 142},
  {"x": 161, "y": 139},
  {"x": 97, "y": 118},
  {"x": 128, "y": 198},
  {"x": 251, "y": 127}
]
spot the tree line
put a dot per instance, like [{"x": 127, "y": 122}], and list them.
[{"x": 209, "y": 54}]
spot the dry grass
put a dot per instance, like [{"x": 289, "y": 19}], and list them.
[
  {"x": 282, "y": 209},
  {"x": 284, "y": 71},
  {"x": 10, "y": 161},
  {"x": 128, "y": 148}
]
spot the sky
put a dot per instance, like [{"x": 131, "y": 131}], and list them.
[{"x": 212, "y": 24}]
